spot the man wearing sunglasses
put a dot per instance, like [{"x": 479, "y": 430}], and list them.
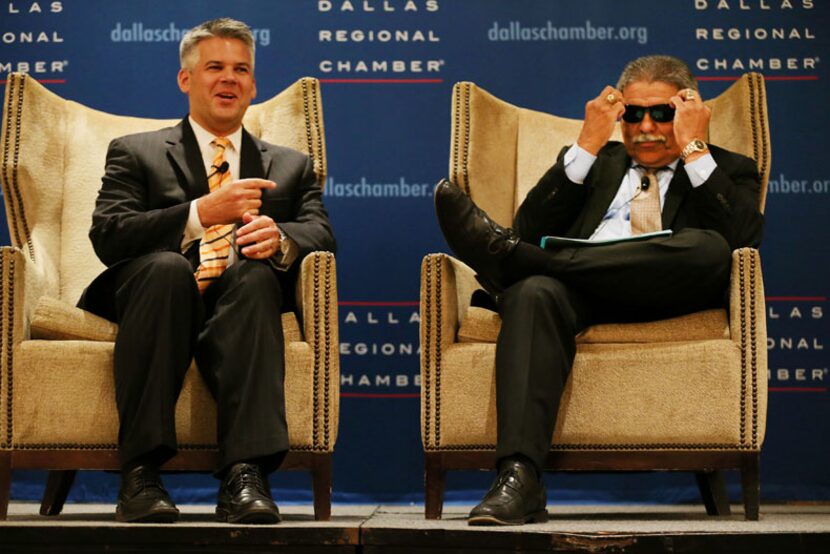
[{"x": 663, "y": 176}]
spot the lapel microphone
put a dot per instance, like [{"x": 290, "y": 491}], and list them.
[{"x": 222, "y": 168}]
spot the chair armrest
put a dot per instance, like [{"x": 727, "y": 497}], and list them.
[
  {"x": 748, "y": 328},
  {"x": 317, "y": 303},
  {"x": 20, "y": 287},
  {"x": 446, "y": 287}
]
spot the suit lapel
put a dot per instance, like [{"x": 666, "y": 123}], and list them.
[
  {"x": 678, "y": 188},
  {"x": 254, "y": 161},
  {"x": 184, "y": 154},
  {"x": 605, "y": 178}
]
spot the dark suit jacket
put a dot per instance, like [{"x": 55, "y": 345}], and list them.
[
  {"x": 151, "y": 178},
  {"x": 727, "y": 202}
]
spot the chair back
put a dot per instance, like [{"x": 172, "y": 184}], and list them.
[
  {"x": 53, "y": 157},
  {"x": 499, "y": 151}
]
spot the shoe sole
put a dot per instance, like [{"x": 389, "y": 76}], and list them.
[
  {"x": 160, "y": 516},
  {"x": 536, "y": 517},
  {"x": 255, "y": 517}
]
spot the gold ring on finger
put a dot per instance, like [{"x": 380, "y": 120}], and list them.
[{"x": 611, "y": 98}]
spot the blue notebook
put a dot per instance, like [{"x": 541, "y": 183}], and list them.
[{"x": 565, "y": 242}]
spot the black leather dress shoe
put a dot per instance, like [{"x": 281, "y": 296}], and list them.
[
  {"x": 477, "y": 240},
  {"x": 517, "y": 497},
  {"x": 143, "y": 499},
  {"x": 244, "y": 497}
]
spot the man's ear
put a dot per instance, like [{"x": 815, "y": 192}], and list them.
[
  {"x": 184, "y": 80},
  {"x": 253, "y": 91}
]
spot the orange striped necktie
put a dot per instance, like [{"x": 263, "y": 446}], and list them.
[
  {"x": 645, "y": 206},
  {"x": 215, "y": 246}
]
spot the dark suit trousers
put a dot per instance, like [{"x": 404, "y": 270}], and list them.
[
  {"x": 557, "y": 294},
  {"x": 234, "y": 331}
]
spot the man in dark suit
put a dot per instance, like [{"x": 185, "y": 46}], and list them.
[
  {"x": 202, "y": 227},
  {"x": 663, "y": 176}
]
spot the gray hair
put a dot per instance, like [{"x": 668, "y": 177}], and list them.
[
  {"x": 665, "y": 69},
  {"x": 223, "y": 27}
]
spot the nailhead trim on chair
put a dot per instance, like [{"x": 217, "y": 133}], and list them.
[
  {"x": 15, "y": 202},
  {"x": 427, "y": 354},
  {"x": 438, "y": 353},
  {"x": 317, "y": 126},
  {"x": 741, "y": 277},
  {"x": 112, "y": 446},
  {"x": 322, "y": 345},
  {"x": 460, "y": 175},
  {"x": 456, "y": 130},
  {"x": 756, "y": 103},
  {"x": 316, "y": 375},
  {"x": 312, "y": 117},
  {"x": 465, "y": 162},
  {"x": 749, "y": 257},
  {"x": 326, "y": 374},
  {"x": 613, "y": 447},
  {"x": 753, "y": 345},
  {"x": 6, "y": 341},
  {"x": 64, "y": 446}
]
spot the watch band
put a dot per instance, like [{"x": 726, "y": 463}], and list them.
[{"x": 696, "y": 145}]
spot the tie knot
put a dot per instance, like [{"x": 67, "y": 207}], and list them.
[{"x": 221, "y": 142}]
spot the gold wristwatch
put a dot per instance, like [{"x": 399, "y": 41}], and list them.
[{"x": 696, "y": 145}]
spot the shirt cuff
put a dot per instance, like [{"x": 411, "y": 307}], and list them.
[
  {"x": 194, "y": 229},
  {"x": 578, "y": 163},
  {"x": 700, "y": 169}
]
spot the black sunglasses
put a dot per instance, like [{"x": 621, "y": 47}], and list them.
[{"x": 661, "y": 113}]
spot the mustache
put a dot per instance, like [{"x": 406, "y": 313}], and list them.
[{"x": 646, "y": 137}]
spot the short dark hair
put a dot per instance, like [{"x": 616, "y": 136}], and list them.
[{"x": 665, "y": 69}]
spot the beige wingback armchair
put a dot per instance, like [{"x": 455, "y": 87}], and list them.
[
  {"x": 688, "y": 393},
  {"x": 57, "y": 399}
]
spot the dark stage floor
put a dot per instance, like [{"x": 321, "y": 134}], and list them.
[{"x": 400, "y": 529}]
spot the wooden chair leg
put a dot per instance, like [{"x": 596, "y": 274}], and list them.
[
  {"x": 5, "y": 482},
  {"x": 751, "y": 483},
  {"x": 321, "y": 479},
  {"x": 712, "y": 487},
  {"x": 57, "y": 489},
  {"x": 434, "y": 474}
]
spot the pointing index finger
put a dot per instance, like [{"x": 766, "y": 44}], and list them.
[{"x": 257, "y": 184}]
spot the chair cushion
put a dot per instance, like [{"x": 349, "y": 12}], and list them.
[
  {"x": 692, "y": 391},
  {"x": 482, "y": 325},
  {"x": 57, "y": 320},
  {"x": 64, "y": 397}
]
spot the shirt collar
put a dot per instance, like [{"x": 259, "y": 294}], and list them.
[
  {"x": 204, "y": 137},
  {"x": 672, "y": 166}
]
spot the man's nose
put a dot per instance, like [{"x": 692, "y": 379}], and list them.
[
  {"x": 228, "y": 75},
  {"x": 647, "y": 124}
]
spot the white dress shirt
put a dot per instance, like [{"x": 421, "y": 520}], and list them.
[
  {"x": 616, "y": 223},
  {"x": 194, "y": 230}
]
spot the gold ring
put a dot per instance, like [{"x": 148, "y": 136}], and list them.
[
  {"x": 690, "y": 95},
  {"x": 611, "y": 98}
]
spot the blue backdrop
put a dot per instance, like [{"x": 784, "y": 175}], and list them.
[{"x": 387, "y": 69}]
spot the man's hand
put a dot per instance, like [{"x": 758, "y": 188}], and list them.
[
  {"x": 261, "y": 233},
  {"x": 691, "y": 119},
  {"x": 601, "y": 114},
  {"x": 229, "y": 202}
]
